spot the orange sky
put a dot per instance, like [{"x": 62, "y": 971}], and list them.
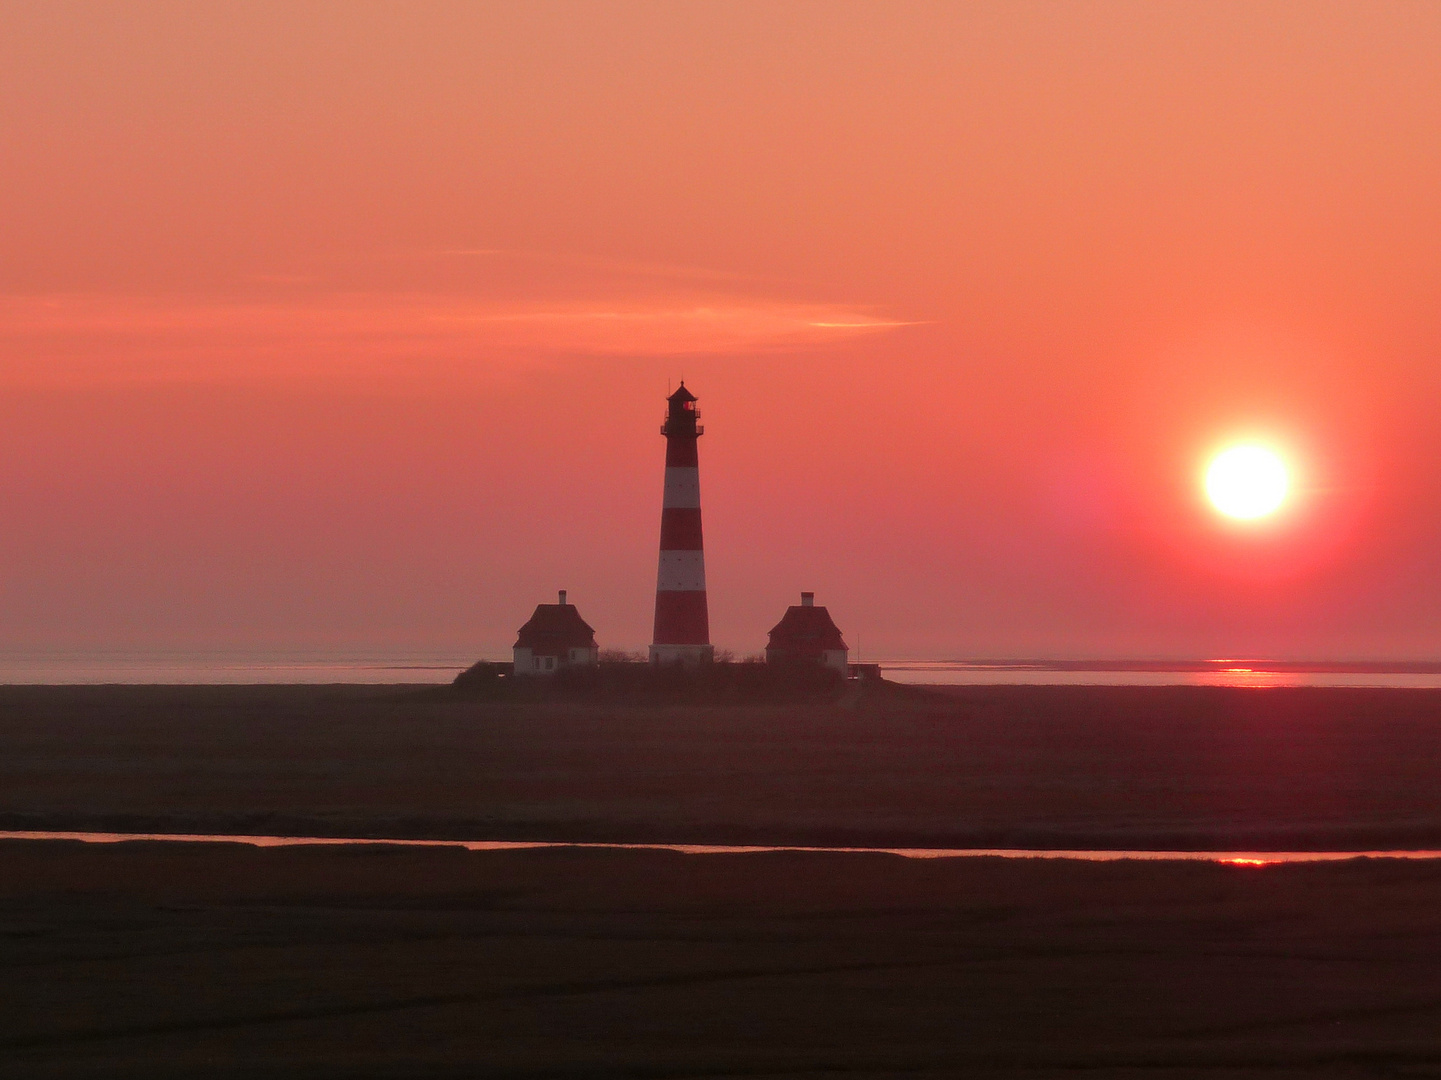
[{"x": 350, "y": 324}]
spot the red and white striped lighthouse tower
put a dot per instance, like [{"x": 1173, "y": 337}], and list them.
[{"x": 682, "y": 624}]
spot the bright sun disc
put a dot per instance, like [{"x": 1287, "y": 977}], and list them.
[{"x": 1247, "y": 482}]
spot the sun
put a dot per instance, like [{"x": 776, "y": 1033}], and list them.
[{"x": 1247, "y": 482}]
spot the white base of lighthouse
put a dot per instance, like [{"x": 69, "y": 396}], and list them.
[{"x": 685, "y": 656}]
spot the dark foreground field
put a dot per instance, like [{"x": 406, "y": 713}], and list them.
[
  {"x": 1175, "y": 767},
  {"x": 154, "y": 961},
  {"x": 162, "y": 960}
]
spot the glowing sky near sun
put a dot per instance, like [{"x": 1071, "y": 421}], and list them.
[
  {"x": 351, "y": 324},
  {"x": 1247, "y": 482}
]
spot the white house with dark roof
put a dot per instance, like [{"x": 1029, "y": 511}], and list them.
[
  {"x": 555, "y": 638},
  {"x": 808, "y": 636}
]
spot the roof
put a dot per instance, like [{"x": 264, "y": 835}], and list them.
[
  {"x": 682, "y": 395},
  {"x": 555, "y": 629},
  {"x": 806, "y": 629}
]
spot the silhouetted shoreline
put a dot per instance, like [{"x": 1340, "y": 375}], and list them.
[{"x": 639, "y": 683}]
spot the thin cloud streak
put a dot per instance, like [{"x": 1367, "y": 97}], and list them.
[{"x": 48, "y": 337}]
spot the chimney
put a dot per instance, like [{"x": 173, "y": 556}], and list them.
[
  {"x": 808, "y": 599},
  {"x": 562, "y": 598}
]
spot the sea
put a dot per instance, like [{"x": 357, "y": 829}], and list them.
[{"x": 379, "y": 667}]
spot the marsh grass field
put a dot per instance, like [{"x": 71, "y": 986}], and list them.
[{"x": 152, "y": 960}]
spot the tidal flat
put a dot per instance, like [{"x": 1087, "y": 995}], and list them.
[
  {"x": 147, "y": 959},
  {"x": 968, "y": 767}
]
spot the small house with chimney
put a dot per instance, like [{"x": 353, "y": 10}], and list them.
[
  {"x": 807, "y": 636},
  {"x": 555, "y": 638}
]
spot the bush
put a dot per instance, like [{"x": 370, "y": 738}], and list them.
[{"x": 634, "y": 681}]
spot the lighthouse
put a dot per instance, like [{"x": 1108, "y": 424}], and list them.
[{"x": 682, "y": 623}]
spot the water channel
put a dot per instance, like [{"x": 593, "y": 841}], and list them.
[{"x": 1238, "y": 858}]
